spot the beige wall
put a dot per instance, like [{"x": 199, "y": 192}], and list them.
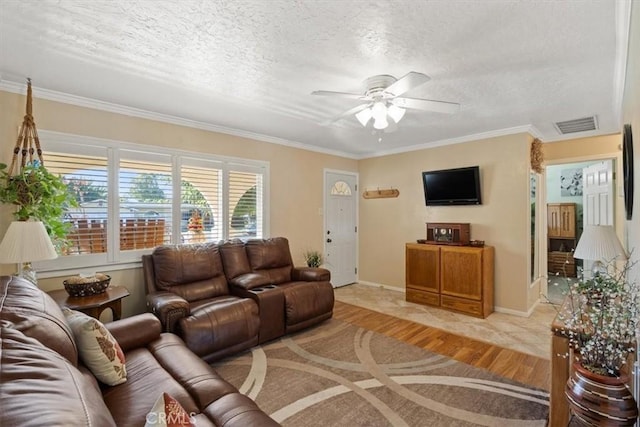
[
  {"x": 581, "y": 147},
  {"x": 296, "y": 175},
  {"x": 501, "y": 221}
]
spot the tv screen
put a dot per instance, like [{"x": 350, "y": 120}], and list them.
[{"x": 452, "y": 187}]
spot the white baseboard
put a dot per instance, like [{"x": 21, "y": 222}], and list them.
[
  {"x": 496, "y": 309},
  {"x": 517, "y": 312},
  {"x": 380, "y": 285}
]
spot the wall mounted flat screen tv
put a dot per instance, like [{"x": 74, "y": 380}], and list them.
[{"x": 447, "y": 187}]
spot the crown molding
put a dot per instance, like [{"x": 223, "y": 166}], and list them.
[
  {"x": 530, "y": 129},
  {"x": 80, "y": 101}
]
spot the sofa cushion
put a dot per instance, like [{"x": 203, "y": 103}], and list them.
[
  {"x": 167, "y": 412},
  {"x": 307, "y": 300},
  {"x": 40, "y": 387},
  {"x": 193, "y": 272},
  {"x": 271, "y": 258},
  {"x": 164, "y": 365},
  {"x": 220, "y": 326},
  {"x": 37, "y": 315},
  {"x": 99, "y": 351},
  {"x": 234, "y": 259}
]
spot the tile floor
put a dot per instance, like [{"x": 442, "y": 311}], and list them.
[{"x": 529, "y": 335}]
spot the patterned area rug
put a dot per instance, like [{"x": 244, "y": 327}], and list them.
[{"x": 338, "y": 374}]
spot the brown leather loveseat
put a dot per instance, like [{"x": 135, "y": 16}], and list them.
[
  {"x": 188, "y": 291},
  {"x": 223, "y": 298},
  {"x": 42, "y": 381}
]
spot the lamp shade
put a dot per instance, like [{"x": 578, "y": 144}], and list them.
[
  {"x": 599, "y": 243},
  {"x": 26, "y": 241}
]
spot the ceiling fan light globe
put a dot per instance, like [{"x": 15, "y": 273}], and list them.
[
  {"x": 364, "y": 116},
  {"x": 380, "y": 123},
  {"x": 379, "y": 111},
  {"x": 396, "y": 113}
]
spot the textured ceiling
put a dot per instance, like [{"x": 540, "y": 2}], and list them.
[{"x": 250, "y": 66}]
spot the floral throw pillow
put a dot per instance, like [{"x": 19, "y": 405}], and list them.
[
  {"x": 98, "y": 350},
  {"x": 167, "y": 412}
]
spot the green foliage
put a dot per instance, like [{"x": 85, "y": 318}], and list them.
[
  {"x": 244, "y": 209},
  {"x": 313, "y": 258},
  {"x": 39, "y": 195},
  {"x": 85, "y": 191},
  {"x": 146, "y": 187},
  {"x": 191, "y": 195}
]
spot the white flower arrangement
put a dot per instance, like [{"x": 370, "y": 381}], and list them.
[{"x": 601, "y": 319}]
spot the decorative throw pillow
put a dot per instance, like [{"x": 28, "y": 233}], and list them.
[
  {"x": 98, "y": 350},
  {"x": 167, "y": 412}
]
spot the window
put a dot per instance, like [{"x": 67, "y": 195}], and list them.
[
  {"x": 145, "y": 196},
  {"x": 132, "y": 198},
  {"x": 86, "y": 176},
  {"x": 341, "y": 188},
  {"x": 245, "y": 201},
  {"x": 201, "y": 197}
]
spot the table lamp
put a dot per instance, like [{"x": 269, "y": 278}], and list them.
[
  {"x": 599, "y": 243},
  {"x": 25, "y": 242}
]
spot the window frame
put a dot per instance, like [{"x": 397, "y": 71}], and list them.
[{"x": 114, "y": 258}]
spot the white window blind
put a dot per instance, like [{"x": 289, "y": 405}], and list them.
[
  {"x": 201, "y": 202},
  {"x": 245, "y": 212},
  {"x": 145, "y": 195},
  {"x": 86, "y": 177},
  {"x": 132, "y": 198}
]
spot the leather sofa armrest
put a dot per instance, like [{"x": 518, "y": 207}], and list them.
[
  {"x": 136, "y": 331},
  {"x": 310, "y": 274},
  {"x": 250, "y": 281},
  {"x": 169, "y": 308}
]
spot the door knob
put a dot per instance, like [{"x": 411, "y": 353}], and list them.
[{"x": 329, "y": 240}]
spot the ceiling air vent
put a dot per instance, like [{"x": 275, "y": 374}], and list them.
[{"x": 577, "y": 125}]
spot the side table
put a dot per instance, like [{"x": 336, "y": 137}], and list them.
[{"x": 93, "y": 305}]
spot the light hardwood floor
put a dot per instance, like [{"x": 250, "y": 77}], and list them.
[
  {"x": 510, "y": 363},
  {"x": 529, "y": 334}
]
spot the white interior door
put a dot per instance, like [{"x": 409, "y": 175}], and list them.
[
  {"x": 597, "y": 197},
  {"x": 341, "y": 196}
]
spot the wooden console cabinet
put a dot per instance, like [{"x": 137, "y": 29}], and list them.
[
  {"x": 561, "y": 234},
  {"x": 457, "y": 278}
]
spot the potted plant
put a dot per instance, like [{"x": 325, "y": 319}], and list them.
[
  {"x": 313, "y": 258},
  {"x": 601, "y": 318},
  {"x": 39, "y": 195}
]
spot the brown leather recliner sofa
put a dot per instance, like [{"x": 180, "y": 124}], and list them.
[
  {"x": 227, "y": 297},
  {"x": 42, "y": 381}
]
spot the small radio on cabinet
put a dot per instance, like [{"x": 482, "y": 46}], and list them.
[{"x": 440, "y": 233}]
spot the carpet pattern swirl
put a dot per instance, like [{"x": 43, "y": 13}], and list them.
[{"x": 338, "y": 374}]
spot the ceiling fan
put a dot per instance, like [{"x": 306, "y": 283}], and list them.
[{"x": 382, "y": 100}]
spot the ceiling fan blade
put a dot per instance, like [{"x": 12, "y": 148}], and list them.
[
  {"x": 407, "y": 82},
  {"x": 347, "y": 113},
  {"x": 427, "y": 105},
  {"x": 338, "y": 94}
]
